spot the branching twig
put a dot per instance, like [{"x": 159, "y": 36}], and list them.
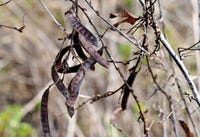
[
  {"x": 98, "y": 97},
  {"x": 142, "y": 114},
  {"x": 116, "y": 29},
  {"x": 182, "y": 67},
  {"x": 52, "y": 17},
  {"x": 15, "y": 28},
  {"x": 186, "y": 106}
]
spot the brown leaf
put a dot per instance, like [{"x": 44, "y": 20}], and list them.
[
  {"x": 186, "y": 129},
  {"x": 115, "y": 115},
  {"x": 129, "y": 17},
  {"x": 82, "y": 30},
  {"x": 58, "y": 82}
]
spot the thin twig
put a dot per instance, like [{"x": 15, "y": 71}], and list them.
[
  {"x": 15, "y": 28},
  {"x": 186, "y": 106},
  {"x": 142, "y": 114},
  {"x": 181, "y": 67},
  {"x": 52, "y": 17},
  {"x": 5, "y": 3},
  {"x": 98, "y": 97},
  {"x": 173, "y": 119},
  {"x": 116, "y": 29}
]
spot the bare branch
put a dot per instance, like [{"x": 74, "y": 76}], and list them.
[
  {"x": 52, "y": 17},
  {"x": 181, "y": 67},
  {"x": 5, "y": 3}
]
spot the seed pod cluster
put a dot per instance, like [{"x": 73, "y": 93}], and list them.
[
  {"x": 81, "y": 38},
  {"x": 82, "y": 30},
  {"x": 86, "y": 38}
]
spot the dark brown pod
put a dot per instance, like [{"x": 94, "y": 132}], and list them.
[
  {"x": 75, "y": 84},
  {"x": 58, "y": 82},
  {"x": 77, "y": 46},
  {"x": 93, "y": 53},
  {"x": 58, "y": 61},
  {"x": 72, "y": 69},
  {"x": 76, "y": 81},
  {"x": 44, "y": 114},
  {"x": 126, "y": 90},
  {"x": 129, "y": 83},
  {"x": 82, "y": 30}
]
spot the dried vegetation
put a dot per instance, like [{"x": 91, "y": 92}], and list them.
[{"x": 135, "y": 88}]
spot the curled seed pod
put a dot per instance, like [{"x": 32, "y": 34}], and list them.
[
  {"x": 44, "y": 114},
  {"x": 130, "y": 80},
  {"x": 58, "y": 61},
  {"x": 93, "y": 53},
  {"x": 72, "y": 69},
  {"x": 128, "y": 17},
  {"x": 126, "y": 90},
  {"x": 76, "y": 81},
  {"x": 60, "y": 65},
  {"x": 75, "y": 85},
  {"x": 77, "y": 46},
  {"x": 58, "y": 82},
  {"x": 82, "y": 30},
  {"x": 60, "y": 56}
]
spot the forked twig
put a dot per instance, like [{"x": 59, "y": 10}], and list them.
[
  {"x": 15, "y": 28},
  {"x": 182, "y": 67}
]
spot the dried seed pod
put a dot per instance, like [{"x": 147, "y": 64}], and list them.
[
  {"x": 77, "y": 46},
  {"x": 129, "y": 17},
  {"x": 72, "y": 69},
  {"x": 75, "y": 84},
  {"x": 82, "y": 30},
  {"x": 58, "y": 82},
  {"x": 70, "y": 109},
  {"x": 44, "y": 114},
  {"x": 93, "y": 53},
  {"x": 58, "y": 60},
  {"x": 76, "y": 81},
  {"x": 126, "y": 90}
]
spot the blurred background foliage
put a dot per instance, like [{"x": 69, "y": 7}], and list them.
[
  {"x": 26, "y": 59},
  {"x": 11, "y": 124}
]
